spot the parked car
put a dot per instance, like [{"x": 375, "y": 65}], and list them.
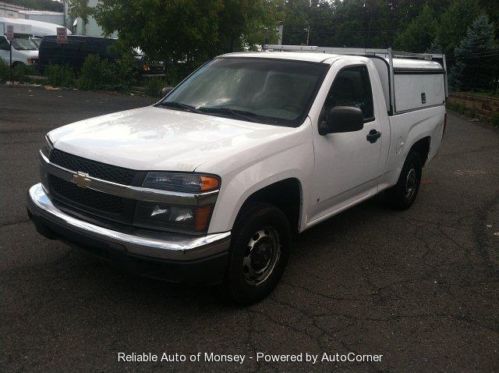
[
  {"x": 24, "y": 51},
  {"x": 75, "y": 51},
  {"x": 78, "y": 48},
  {"x": 210, "y": 183}
]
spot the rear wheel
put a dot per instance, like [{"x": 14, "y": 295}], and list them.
[
  {"x": 259, "y": 253},
  {"x": 403, "y": 194}
]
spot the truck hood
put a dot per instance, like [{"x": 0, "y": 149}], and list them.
[{"x": 153, "y": 138}]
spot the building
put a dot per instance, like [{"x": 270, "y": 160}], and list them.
[
  {"x": 9, "y": 10},
  {"x": 90, "y": 28},
  {"x": 16, "y": 11}
]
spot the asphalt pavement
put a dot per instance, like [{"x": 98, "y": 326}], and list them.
[{"x": 420, "y": 287}]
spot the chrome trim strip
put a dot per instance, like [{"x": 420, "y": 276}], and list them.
[
  {"x": 128, "y": 191},
  {"x": 162, "y": 246}
]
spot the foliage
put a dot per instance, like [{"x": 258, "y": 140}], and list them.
[
  {"x": 80, "y": 8},
  {"x": 154, "y": 86},
  {"x": 60, "y": 75},
  {"x": 453, "y": 24},
  {"x": 420, "y": 33},
  {"x": 188, "y": 30},
  {"x": 495, "y": 119},
  {"x": 476, "y": 57},
  {"x": 21, "y": 71},
  {"x": 4, "y": 71},
  {"x": 297, "y": 19},
  {"x": 125, "y": 70},
  {"x": 185, "y": 33},
  {"x": 96, "y": 73}
]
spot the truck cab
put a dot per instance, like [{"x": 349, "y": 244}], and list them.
[{"x": 213, "y": 181}]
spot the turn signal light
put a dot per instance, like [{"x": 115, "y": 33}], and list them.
[
  {"x": 202, "y": 218},
  {"x": 209, "y": 183}
]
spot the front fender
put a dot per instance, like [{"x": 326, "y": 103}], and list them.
[{"x": 295, "y": 162}]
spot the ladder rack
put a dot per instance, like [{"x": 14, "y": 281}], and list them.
[
  {"x": 388, "y": 54},
  {"x": 352, "y": 51}
]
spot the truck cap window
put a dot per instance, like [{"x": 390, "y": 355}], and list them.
[
  {"x": 259, "y": 90},
  {"x": 352, "y": 87}
]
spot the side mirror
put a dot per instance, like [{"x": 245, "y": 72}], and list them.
[
  {"x": 342, "y": 119},
  {"x": 166, "y": 90}
]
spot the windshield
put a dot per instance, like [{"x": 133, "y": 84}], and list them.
[
  {"x": 36, "y": 41},
  {"x": 253, "y": 89},
  {"x": 24, "y": 44}
]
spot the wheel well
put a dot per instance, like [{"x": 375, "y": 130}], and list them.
[
  {"x": 285, "y": 195},
  {"x": 422, "y": 147}
]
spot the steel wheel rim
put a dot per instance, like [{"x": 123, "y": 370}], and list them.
[
  {"x": 410, "y": 184},
  {"x": 262, "y": 254}
]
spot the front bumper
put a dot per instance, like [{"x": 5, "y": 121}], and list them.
[{"x": 184, "y": 258}]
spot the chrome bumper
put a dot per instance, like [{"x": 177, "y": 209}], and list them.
[{"x": 163, "y": 246}]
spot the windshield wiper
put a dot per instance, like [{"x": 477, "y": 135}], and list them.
[
  {"x": 179, "y": 105},
  {"x": 234, "y": 113}
]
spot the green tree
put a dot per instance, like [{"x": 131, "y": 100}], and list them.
[
  {"x": 420, "y": 33},
  {"x": 454, "y": 23},
  {"x": 296, "y": 21},
  {"x": 476, "y": 57},
  {"x": 321, "y": 22},
  {"x": 190, "y": 31},
  {"x": 80, "y": 8},
  {"x": 349, "y": 29}
]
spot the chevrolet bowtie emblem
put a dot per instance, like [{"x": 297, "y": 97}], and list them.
[{"x": 81, "y": 179}]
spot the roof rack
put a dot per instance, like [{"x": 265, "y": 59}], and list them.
[
  {"x": 388, "y": 54},
  {"x": 352, "y": 51}
]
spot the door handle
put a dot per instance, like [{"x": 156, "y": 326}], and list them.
[{"x": 373, "y": 136}]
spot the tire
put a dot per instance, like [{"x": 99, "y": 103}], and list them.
[
  {"x": 403, "y": 194},
  {"x": 259, "y": 253}
]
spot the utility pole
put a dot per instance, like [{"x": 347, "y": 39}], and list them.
[
  {"x": 10, "y": 36},
  {"x": 307, "y": 29}
]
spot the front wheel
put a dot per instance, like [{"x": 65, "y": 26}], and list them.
[
  {"x": 403, "y": 194},
  {"x": 259, "y": 253}
]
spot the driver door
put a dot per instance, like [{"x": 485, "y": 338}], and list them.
[{"x": 347, "y": 164}]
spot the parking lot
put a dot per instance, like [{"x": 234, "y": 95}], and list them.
[{"x": 420, "y": 287}]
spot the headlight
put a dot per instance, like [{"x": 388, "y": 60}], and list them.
[
  {"x": 191, "y": 219},
  {"x": 173, "y": 218},
  {"x": 181, "y": 182}
]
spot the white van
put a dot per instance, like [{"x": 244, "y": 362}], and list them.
[
  {"x": 24, "y": 51},
  {"x": 28, "y": 35}
]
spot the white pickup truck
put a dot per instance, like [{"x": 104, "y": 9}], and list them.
[{"x": 209, "y": 184}]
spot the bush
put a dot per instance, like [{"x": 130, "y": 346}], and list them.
[
  {"x": 154, "y": 87},
  {"x": 60, "y": 75},
  {"x": 495, "y": 120},
  {"x": 125, "y": 71},
  {"x": 4, "y": 71},
  {"x": 96, "y": 73},
  {"x": 20, "y": 72}
]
